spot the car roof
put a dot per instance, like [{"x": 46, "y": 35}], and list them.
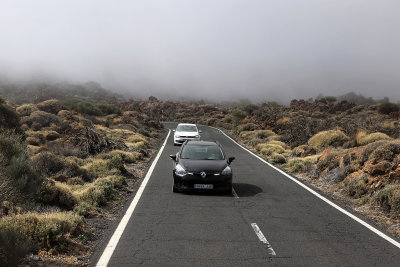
[
  {"x": 202, "y": 143},
  {"x": 190, "y": 124}
]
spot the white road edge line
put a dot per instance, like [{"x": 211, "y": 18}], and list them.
[
  {"x": 262, "y": 238},
  {"x": 234, "y": 193},
  {"x": 112, "y": 244},
  {"x": 370, "y": 227}
]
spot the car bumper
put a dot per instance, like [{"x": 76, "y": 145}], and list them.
[
  {"x": 187, "y": 182},
  {"x": 181, "y": 140}
]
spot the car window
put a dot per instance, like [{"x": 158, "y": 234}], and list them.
[
  {"x": 202, "y": 152},
  {"x": 186, "y": 128}
]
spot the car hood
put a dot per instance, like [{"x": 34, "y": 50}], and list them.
[
  {"x": 187, "y": 133},
  {"x": 209, "y": 166}
]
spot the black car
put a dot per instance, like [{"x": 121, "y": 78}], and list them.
[{"x": 202, "y": 165}]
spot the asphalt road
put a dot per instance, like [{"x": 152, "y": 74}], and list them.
[{"x": 169, "y": 229}]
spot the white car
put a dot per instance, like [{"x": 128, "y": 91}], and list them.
[{"x": 186, "y": 131}]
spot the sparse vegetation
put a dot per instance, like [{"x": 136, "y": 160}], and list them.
[
  {"x": 78, "y": 160},
  {"x": 387, "y": 108}
]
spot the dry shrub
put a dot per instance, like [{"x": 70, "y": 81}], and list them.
[
  {"x": 327, "y": 161},
  {"x": 102, "y": 190},
  {"x": 106, "y": 167},
  {"x": 297, "y": 165},
  {"x": 269, "y": 149},
  {"x": 389, "y": 199},
  {"x": 39, "y": 119},
  {"x": 52, "y": 165},
  {"x": 259, "y": 134},
  {"x": 65, "y": 115},
  {"x": 363, "y": 138},
  {"x": 303, "y": 150},
  {"x": 127, "y": 157},
  {"x": 247, "y": 127},
  {"x": 278, "y": 158},
  {"x": 356, "y": 186},
  {"x": 387, "y": 151},
  {"x": 47, "y": 163},
  {"x": 330, "y": 138},
  {"x": 283, "y": 121},
  {"x": 26, "y": 109},
  {"x": 54, "y": 193},
  {"x": 50, "y": 231},
  {"x": 50, "y": 106}
]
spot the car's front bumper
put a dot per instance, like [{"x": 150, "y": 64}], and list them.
[
  {"x": 187, "y": 182},
  {"x": 181, "y": 140}
]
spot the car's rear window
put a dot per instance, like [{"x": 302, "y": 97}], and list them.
[
  {"x": 186, "y": 128},
  {"x": 202, "y": 152}
]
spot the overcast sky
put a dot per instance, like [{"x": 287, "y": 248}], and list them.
[{"x": 217, "y": 49}]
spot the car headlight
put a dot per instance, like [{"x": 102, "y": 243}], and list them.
[
  {"x": 227, "y": 171},
  {"x": 179, "y": 170},
  {"x": 196, "y": 136},
  {"x": 177, "y": 135}
]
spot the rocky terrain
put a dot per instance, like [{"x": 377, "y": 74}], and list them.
[
  {"x": 66, "y": 166},
  {"x": 68, "y": 161}
]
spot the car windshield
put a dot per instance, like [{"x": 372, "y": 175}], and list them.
[
  {"x": 186, "y": 128},
  {"x": 202, "y": 152}
]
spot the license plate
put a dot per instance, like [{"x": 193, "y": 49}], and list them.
[{"x": 203, "y": 186}]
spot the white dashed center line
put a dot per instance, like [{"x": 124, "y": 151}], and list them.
[{"x": 262, "y": 238}]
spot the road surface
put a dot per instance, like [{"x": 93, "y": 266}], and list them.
[{"x": 271, "y": 222}]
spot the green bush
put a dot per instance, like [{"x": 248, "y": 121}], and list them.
[
  {"x": 249, "y": 108},
  {"x": 278, "y": 159},
  {"x": 92, "y": 109},
  {"x": 238, "y": 114},
  {"x": 357, "y": 187},
  {"x": 21, "y": 174},
  {"x": 330, "y": 99},
  {"x": 85, "y": 209},
  {"x": 11, "y": 144},
  {"x": 82, "y": 107},
  {"x": 109, "y": 109},
  {"x": 13, "y": 247},
  {"x": 387, "y": 108},
  {"x": 9, "y": 119},
  {"x": 297, "y": 165},
  {"x": 103, "y": 190},
  {"x": 16, "y": 163}
]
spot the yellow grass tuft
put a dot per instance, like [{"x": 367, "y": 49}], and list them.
[{"x": 330, "y": 138}]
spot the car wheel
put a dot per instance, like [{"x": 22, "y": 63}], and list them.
[{"x": 228, "y": 191}]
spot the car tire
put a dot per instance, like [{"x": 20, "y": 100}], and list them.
[{"x": 229, "y": 190}]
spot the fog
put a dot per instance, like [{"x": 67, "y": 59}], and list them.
[{"x": 226, "y": 49}]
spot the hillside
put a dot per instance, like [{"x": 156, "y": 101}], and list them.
[
  {"x": 65, "y": 168},
  {"x": 68, "y": 163}
]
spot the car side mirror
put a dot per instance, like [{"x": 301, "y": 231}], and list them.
[
  {"x": 200, "y": 131},
  {"x": 172, "y": 157},
  {"x": 230, "y": 159}
]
